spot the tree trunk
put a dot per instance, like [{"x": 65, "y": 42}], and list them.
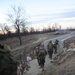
[
  {"x": 4, "y": 34},
  {"x": 19, "y": 35}
]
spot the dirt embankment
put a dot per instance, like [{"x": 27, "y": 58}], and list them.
[
  {"x": 66, "y": 68},
  {"x": 64, "y": 64}
]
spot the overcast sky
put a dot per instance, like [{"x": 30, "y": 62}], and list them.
[{"x": 43, "y": 12}]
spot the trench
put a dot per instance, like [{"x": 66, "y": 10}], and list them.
[{"x": 61, "y": 42}]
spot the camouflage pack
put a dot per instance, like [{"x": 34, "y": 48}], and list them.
[{"x": 8, "y": 66}]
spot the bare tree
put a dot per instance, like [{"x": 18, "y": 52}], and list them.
[
  {"x": 32, "y": 30},
  {"x": 24, "y": 29},
  {"x": 7, "y": 29},
  {"x": 60, "y": 27},
  {"x": 3, "y": 30},
  {"x": 49, "y": 28},
  {"x": 18, "y": 18}
]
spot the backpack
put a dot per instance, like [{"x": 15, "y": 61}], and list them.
[
  {"x": 50, "y": 47},
  {"x": 8, "y": 66}
]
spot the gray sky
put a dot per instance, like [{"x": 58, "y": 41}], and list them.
[{"x": 43, "y": 12}]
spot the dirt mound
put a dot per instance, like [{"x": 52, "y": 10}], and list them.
[
  {"x": 66, "y": 68},
  {"x": 64, "y": 63}
]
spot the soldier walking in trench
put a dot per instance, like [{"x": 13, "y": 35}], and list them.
[
  {"x": 41, "y": 59},
  {"x": 55, "y": 43},
  {"x": 41, "y": 56},
  {"x": 37, "y": 54},
  {"x": 50, "y": 49}
]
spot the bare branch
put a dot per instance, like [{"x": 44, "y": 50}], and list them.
[{"x": 17, "y": 18}]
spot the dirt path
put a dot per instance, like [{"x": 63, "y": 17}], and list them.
[
  {"x": 25, "y": 45},
  {"x": 35, "y": 69}
]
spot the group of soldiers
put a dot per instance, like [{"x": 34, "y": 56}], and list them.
[
  {"x": 8, "y": 66},
  {"x": 52, "y": 47},
  {"x": 41, "y": 53}
]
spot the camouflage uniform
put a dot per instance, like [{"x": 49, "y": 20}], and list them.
[
  {"x": 37, "y": 53},
  {"x": 40, "y": 53},
  {"x": 41, "y": 58},
  {"x": 8, "y": 66},
  {"x": 50, "y": 49},
  {"x": 55, "y": 45}
]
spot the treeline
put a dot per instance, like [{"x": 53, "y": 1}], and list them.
[{"x": 11, "y": 35}]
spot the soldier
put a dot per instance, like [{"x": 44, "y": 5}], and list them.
[
  {"x": 50, "y": 49},
  {"x": 55, "y": 45},
  {"x": 37, "y": 54},
  {"x": 41, "y": 56},
  {"x": 41, "y": 59},
  {"x": 8, "y": 66}
]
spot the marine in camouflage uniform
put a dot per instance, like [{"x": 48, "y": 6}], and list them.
[
  {"x": 8, "y": 66},
  {"x": 50, "y": 49}
]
